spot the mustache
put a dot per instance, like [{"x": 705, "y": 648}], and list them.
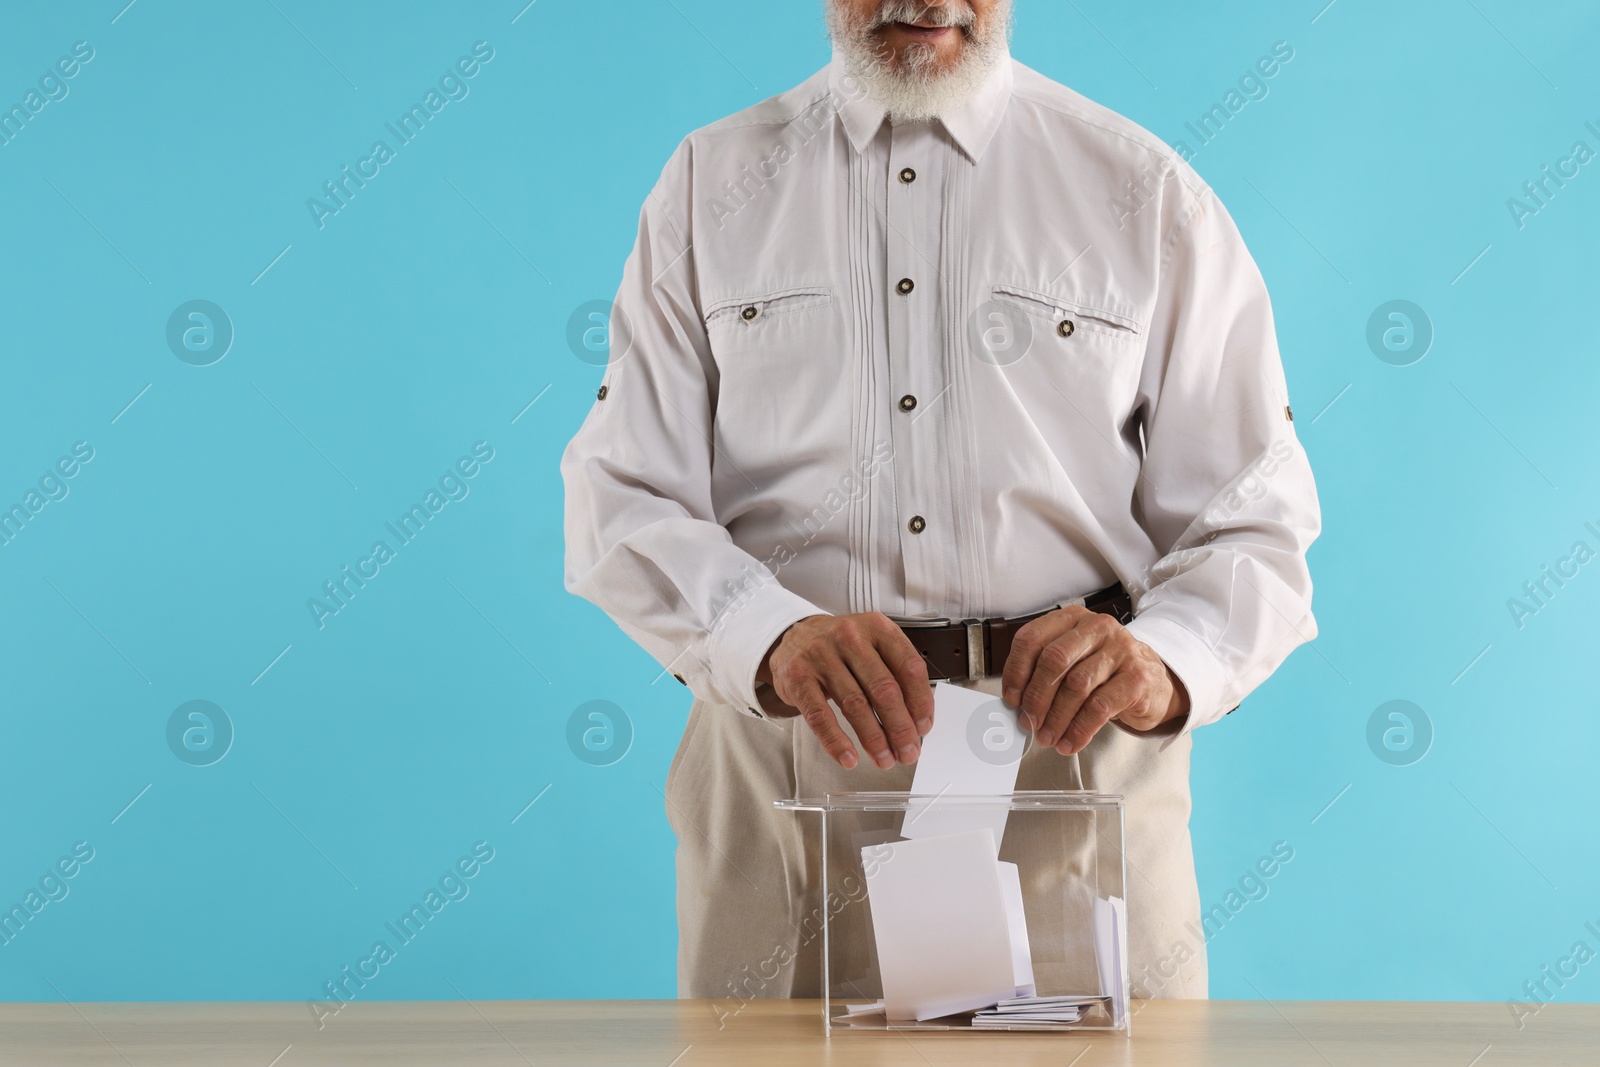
[{"x": 957, "y": 15}]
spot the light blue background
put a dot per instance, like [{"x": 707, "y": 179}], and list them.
[{"x": 429, "y": 313}]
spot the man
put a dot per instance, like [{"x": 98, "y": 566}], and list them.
[{"x": 933, "y": 337}]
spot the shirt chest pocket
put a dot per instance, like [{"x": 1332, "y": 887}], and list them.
[
  {"x": 781, "y": 356},
  {"x": 1063, "y": 320},
  {"x": 1049, "y": 346},
  {"x": 765, "y": 318}
]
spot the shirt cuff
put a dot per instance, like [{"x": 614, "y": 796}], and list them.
[
  {"x": 742, "y": 636},
  {"x": 1195, "y": 665}
]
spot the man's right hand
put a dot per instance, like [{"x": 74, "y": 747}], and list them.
[{"x": 868, "y": 667}]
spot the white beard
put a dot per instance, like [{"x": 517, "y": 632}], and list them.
[{"x": 915, "y": 90}]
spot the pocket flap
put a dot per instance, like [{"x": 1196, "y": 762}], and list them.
[
  {"x": 752, "y": 308},
  {"x": 1055, "y": 308}
]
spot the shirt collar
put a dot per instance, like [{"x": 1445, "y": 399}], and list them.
[{"x": 972, "y": 126}]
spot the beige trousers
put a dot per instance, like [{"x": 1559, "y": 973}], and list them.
[{"x": 749, "y": 876}]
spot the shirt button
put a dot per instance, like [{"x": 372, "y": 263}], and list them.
[
  {"x": 601, "y": 395},
  {"x": 917, "y": 524},
  {"x": 905, "y": 286},
  {"x": 908, "y": 176},
  {"x": 1066, "y": 328},
  {"x": 749, "y": 313},
  {"x": 908, "y": 402}
]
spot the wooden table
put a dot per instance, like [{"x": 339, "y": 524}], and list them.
[{"x": 687, "y": 1033}]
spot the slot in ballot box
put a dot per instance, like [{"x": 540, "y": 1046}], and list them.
[{"x": 975, "y": 913}]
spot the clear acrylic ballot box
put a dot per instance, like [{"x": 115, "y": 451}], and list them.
[{"x": 967, "y": 913}]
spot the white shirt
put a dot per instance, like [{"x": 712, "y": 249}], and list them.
[{"x": 969, "y": 367}]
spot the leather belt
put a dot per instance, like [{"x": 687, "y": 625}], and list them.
[{"x": 977, "y": 648}]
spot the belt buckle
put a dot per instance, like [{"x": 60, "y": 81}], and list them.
[
  {"x": 977, "y": 654},
  {"x": 977, "y": 658}
]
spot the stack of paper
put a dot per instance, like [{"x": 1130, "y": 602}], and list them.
[
  {"x": 1031, "y": 1011},
  {"x": 1016, "y": 1013}
]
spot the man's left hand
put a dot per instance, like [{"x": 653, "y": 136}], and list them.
[{"x": 1074, "y": 670}]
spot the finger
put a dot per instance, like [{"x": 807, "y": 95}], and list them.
[
  {"x": 1122, "y": 691},
  {"x": 813, "y": 704},
  {"x": 884, "y": 701},
  {"x": 846, "y": 692},
  {"x": 1055, "y": 660},
  {"x": 1084, "y": 678},
  {"x": 911, "y": 672},
  {"x": 1024, "y": 654}
]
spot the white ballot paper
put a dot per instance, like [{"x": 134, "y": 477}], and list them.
[
  {"x": 1111, "y": 952},
  {"x": 939, "y": 920},
  {"x": 975, "y": 746},
  {"x": 1021, "y": 953}
]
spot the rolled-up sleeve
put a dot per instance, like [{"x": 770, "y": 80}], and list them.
[
  {"x": 1226, "y": 491},
  {"x": 642, "y": 539}
]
